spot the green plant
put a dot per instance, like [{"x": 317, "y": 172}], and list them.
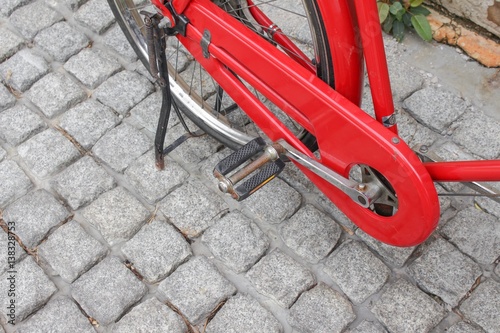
[{"x": 398, "y": 15}]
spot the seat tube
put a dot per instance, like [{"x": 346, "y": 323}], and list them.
[{"x": 376, "y": 63}]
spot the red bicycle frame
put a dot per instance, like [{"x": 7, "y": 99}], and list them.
[{"x": 346, "y": 135}]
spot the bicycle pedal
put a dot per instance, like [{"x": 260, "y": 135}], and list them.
[{"x": 254, "y": 175}]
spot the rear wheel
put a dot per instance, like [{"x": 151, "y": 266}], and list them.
[{"x": 199, "y": 96}]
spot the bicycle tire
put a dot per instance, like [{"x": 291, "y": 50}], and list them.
[{"x": 130, "y": 20}]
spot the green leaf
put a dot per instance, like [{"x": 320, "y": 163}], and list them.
[
  {"x": 395, "y": 8},
  {"x": 407, "y": 19},
  {"x": 420, "y": 11},
  {"x": 399, "y": 14},
  {"x": 416, "y": 3},
  {"x": 398, "y": 30},
  {"x": 383, "y": 11},
  {"x": 387, "y": 26},
  {"x": 422, "y": 27}
]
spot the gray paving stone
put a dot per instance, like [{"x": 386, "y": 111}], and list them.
[
  {"x": 151, "y": 183},
  {"x": 56, "y": 93},
  {"x": 462, "y": 327},
  {"x": 95, "y": 15},
  {"x": 82, "y": 182},
  {"x": 475, "y": 233},
  {"x": 412, "y": 132},
  {"x": 444, "y": 271},
  {"x": 92, "y": 67},
  {"x": 148, "y": 111},
  {"x": 61, "y": 41},
  {"x": 479, "y": 134},
  {"x": 335, "y": 213},
  {"x": 11, "y": 256},
  {"x": 449, "y": 151},
  {"x": 47, "y": 153},
  {"x": 35, "y": 214},
  {"x": 280, "y": 277},
  {"x": 88, "y": 122},
  {"x": 497, "y": 270},
  {"x": 483, "y": 306},
  {"x": 192, "y": 208},
  {"x": 18, "y": 124},
  {"x": 23, "y": 69},
  {"x": 446, "y": 107},
  {"x": 236, "y": 241},
  {"x": 8, "y": 6},
  {"x": 356, "y": 270},
  {"x": 10, "y": 43},
  {"x": 405, "y": 80},
  {"x": 32, "y": 18},
  {"x": 391, "y": 254},
  {"x": 116, "y": 40},
  {"x": 70, "y": 251},
  {"x": 321, "y": 310},
  {"x": 310, "y": 233},
  {"x": 274, "y": 202},
  {"x": 117, "y": 214},
  {"x": 48, "y": 319},
  {"x": 107, "y": 290},
  {"x": 14, "y": 182},
  {"x": 32, "y": 289},
  {"x": 7, "y": 100},
  {"x": 123, "y": 91},
  {"x": 242, "y": 313},
  {"x": 121, "y": 146},
  {"x": 3, "y": 154},
  {"x": 150, "y": 316},
  {"x": 156, "y": 250},
  {"x": 71, "y": 4},
  {"x": 369, "y": 327},
  {"x": 404, "y": 308},
  {"x": 196, "y": 288}
]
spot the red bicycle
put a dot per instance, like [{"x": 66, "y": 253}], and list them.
[{"x": 292, "y": 71}]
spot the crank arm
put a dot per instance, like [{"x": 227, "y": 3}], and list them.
[{"x": 361, "y": 193}]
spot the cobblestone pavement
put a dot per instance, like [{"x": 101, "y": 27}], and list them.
[{"x": 105, "y": 243}]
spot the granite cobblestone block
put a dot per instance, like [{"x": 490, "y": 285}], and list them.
[
  {"x": 117, "y": 214},
  {"x": 18, "y": 124},
  {"x": 242, "y": 313},
  {"x": 92, "y": 67},
  {"x": 71, "y": 251},
  {"x": 32, "y": 288},
  {"x": 95, "y": 15},
  {"x": 150, "y": 316},
  {"x": 404, "y": 308},
  {"x": 357, "y": 271},
  {"x": 369, "y": 327},
  {"x": 148, "y": 111},
  {"x": 275, "y": 202},
  {"x": 120, "y": 146},
  {"x": 10, "y": 43},
  {"x": 19, "y": 253},
  {"x": 61, "y": 41},
  {"x": 310, "y": 233},
  {"x": 47, "y": 153},
  {"x": 236, "y": 241},
  {"x": 123, "y": 91},
  {"x": 151, "y": 183},
  {"x": 82, "y": 182},
  {"x": 88, "y": 122},
  {"x": 157, "y": 250},
  {"x": 23, "y": 69},
  {"x": 35, "y": 215},
  {"x": 3, "y": 154},
  {"x": 475, "y": 233},
  {"x": 192, "y": 208},
  {"x": 196, "y": 288},
  {"x": 280, "y": 277},
  {"x": 8, "y": 6},
  {"x": 14, "y": 182},
  {"x": 462, "y": 327},
  {"x": 59, "y": 315},
  {"x": 115, "y": 40},
  {"x": 107, "y": 290},
  {"x": 56, "y": 93},
  {"x": 446, "y": 107},
  {"x": 321, "y": 310},
  {"x": 483, "y": 305},
  {"x": 7, "y": 100},
  {"x": 32, "y": 18},
  {"x": 444, "y": 271}
]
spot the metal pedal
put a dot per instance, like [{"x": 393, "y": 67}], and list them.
[{"x": 268, "y": 165}]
